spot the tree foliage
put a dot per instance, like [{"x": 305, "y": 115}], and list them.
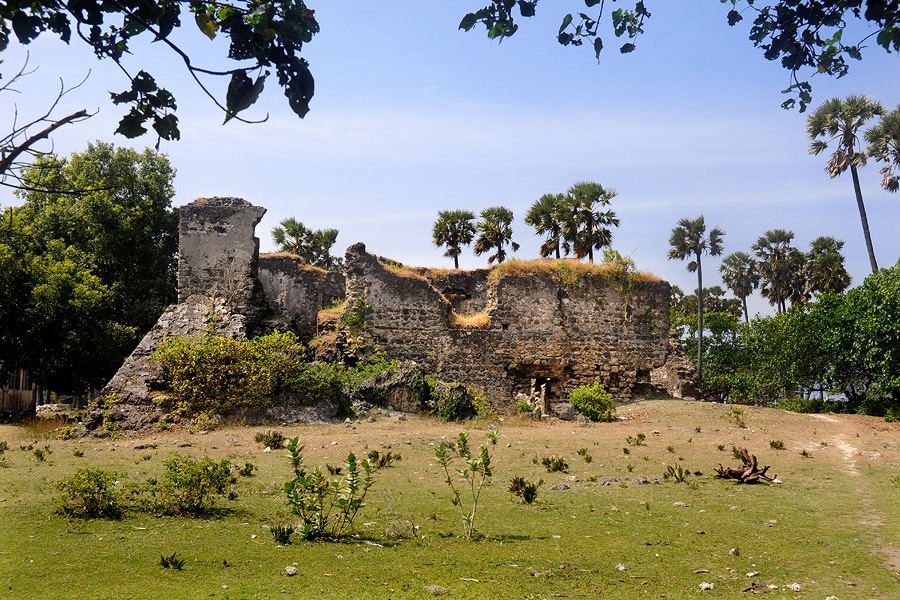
[
  {"x": 884, "y": 147},
  {"x": 841, "y": 121},
  {"x": 689, "y": 240},
  {"x": 314, "y": 246},
  {"x": 84, "y": 275},
  {"x": 453, "y": 229},
  {"x": 263, "y": 37},
  {"x": 806, "y": 36},
  {"x": 495, "y": 233}
]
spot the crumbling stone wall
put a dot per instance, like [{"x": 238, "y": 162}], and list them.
[
  {"x": 537, "y": 329},
  {"x": 295, "y": 292},
  {"x": 217, "y": 250}
]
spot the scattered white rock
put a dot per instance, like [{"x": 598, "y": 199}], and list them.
[
  {"x": 680, "y": 504},
  {"x": 267, "y": 449},
  {"x": 290, "y": 570},
  {"x": 734, "y": 552},
  {"x": 437, "y": 590},
  {"x": 753, "y": 574},
  {"x": 707, "y": 586},
  {"x": 831, "y": 598},
  {"x": 620, "y": 567},
  {"x": 794, "y": 587}
]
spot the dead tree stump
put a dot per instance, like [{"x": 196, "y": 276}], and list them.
[{"x": 748, "y": 472}]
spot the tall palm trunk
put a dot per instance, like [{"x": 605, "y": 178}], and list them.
[
  {"x": 863, "y": 218},
  {"x": 746, "y": 314},
  {"x": 699, "y": 322}
]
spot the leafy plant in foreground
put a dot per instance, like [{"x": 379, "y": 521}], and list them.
[
  {"x": 270, "y": 439},
  {"x": 282, "y": 534},
  {"x": 380, "y": 461},
  {"x": 476, "y": 471},
  {"x": 555, "y": 464},
  {"x": 327, "y": 507}
]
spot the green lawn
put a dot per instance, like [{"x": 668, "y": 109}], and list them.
[{"x": 832, "y": 527}]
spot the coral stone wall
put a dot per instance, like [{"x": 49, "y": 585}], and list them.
[
  {"x": 297, "y": 291},
  {"x": 217, "y": 250},
  {"x": 537, "y": 329}
]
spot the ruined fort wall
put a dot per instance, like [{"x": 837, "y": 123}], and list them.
[
  {"x": 296, "y": 291},
  {"x": 537, "y": 327}
]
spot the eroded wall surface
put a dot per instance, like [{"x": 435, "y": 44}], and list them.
[{"x": 537, "y": 328}]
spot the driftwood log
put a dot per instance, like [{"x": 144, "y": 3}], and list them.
[{"x": 748, "y": 472}]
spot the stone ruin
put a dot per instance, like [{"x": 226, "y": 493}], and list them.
[{"x": 511, "y": 334}]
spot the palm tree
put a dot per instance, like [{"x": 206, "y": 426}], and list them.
[
  {"x": 825, "y": 270},
  {"x": 545, "y": 216},
  {"x": 884, "y": 146},
  {"x": 313, "y": 246},
  {"x": 740, "y": 274},
  {"x": 779, "y": 264},
  {"x": 453, "y": 229},
  {"x": 841, "y": 120},
  {"x": 585, "y": 228},
  {"x": 690, "y": 240},
  {"x": 291, "y": 236},
  {"x": 495, "y": 232}
]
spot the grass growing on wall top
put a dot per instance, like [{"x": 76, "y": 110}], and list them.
[{"x": 567, "y": 270}]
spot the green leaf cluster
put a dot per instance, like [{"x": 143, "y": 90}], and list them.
[
  {"x": 189, "y": 486},
  {"x": 594, "y": 402},
  {"x": 90, "y": 494},
  {"x": 475, "y": 472},
  {"x": 221, "y": 374}
]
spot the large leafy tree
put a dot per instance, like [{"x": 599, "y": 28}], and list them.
[
  {"x": 585, "y": 226},
  {"x": 495, "y": 233},
  {"x": 314, "y": 246},
  {"x": 841, "y": 121},
  {"x": 805, "y": 35},
  {"x": 884, "y": 146},
  {"x": 546, "y": 217},
  {"x": 740, "y": 274},
  {"x": 262, "y": 38},
  {"x": 453, "y": 230},
  {"x": 85, "y": 275},
  {"x": 690, "y": 240}
]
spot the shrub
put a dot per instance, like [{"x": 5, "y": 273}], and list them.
[
  {"x": 247, "y": 470},
  {"x": 327, "y": 508},
  {"x": 220, "y": 374},
  {"x": 676, "y": 473},
  {"x": 583, "y": 453},
  {"x": 451, "y": 401},
  {"x": 476, "y": 471},
  {"x": 555, "y": 464},
  {"x": 594, "y": 402},
  {"x": 526, "y": 490},
  {"x": 380, "y": 461},
  {"x": 171, "y": 562},
  {"x": 524, "y": 406},
  {"x": 323, "y": 382},
  {"x": 282, "y": 534},
  {"x": 636, "y": 440},
  {"x": 270, "y": 439},
  {"x": 776, "y": 444},
  {"x": 90, "y": 494},
  {"x": 188, "y": 486}
]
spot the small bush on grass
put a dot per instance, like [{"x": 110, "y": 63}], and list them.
[
  {"x": 776, "y": 444},
  {"x": 583, "y": 453},
  {"x": 327, "y": 507},
  {"x": 476, "y": 471},
  {"x": 90, "y": 494},
  {"x": 282, "y": 534},
  {"x": 270, "y": 439},
  {"x": 594, "y": 402},
  {"x": 555, "y": 464},
  {"x": 524, "y": 489},
  {"x": 189, "y": 487},
  {"x": 676, "y": 473},
  {"x": 380, "y": 461},
  {"x": 171, "y": 562},
  {"x": 247, "y": 470},
  {"x": 636, "y": 440}
]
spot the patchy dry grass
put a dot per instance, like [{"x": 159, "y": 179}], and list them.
[
  {"x": 473, "y": 321},
  {"x": 568, "y": 270},
  {"x": 832, "y": 527}
]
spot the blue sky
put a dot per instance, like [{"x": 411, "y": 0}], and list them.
[{"x": 412, "y": 116}]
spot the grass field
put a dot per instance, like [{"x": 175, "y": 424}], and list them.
[{"x": 830, "y": 528}]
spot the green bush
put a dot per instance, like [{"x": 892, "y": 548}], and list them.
[
  {"x": 270, "y": 439},
  {"x": 188, "y": 486},
  {"x": 323, "y": 382},
  {"x": 451, "y": 402},
  {"x": 524, "y": 489},
  {"x": 90, "y": 494},
  {"x": 594, "y": 402},
  {"x": 220, "y": 374}
]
